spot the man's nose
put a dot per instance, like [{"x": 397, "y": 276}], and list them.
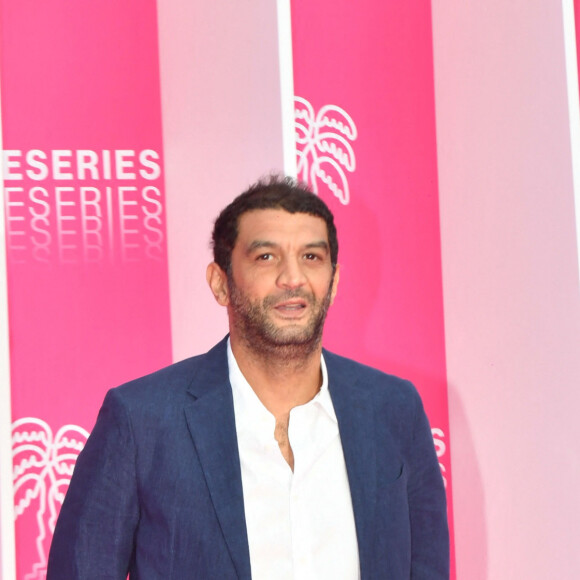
[{"x": 291, "y": 274}]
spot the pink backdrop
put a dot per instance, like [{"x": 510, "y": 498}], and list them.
[
  {"x": 87, "y": 218},
  {"x": 366, "y": 137},
  {"x": 510, "y": 279},
  {"x": 86, "y": 239}
]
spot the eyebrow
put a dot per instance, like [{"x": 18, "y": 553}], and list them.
[
  {"x": 322, "y": 245},
  {"x": 265, "y": 244},
  {"x": 259, "y": 245}
]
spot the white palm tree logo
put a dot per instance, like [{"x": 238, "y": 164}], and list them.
[
  {"x": 43, "y": 466},
  {"x": 324, "y": 152}
]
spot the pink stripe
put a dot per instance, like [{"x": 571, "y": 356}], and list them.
[
  {"x": 87, "y": 267},
  {"x": 366, "y": 140}
]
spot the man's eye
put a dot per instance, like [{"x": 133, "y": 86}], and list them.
[
  {"x": 311, "y": 256},
  {"x": 265, "y": 257}
]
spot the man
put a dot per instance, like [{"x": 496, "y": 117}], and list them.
[{"x": 267, "y": 457}]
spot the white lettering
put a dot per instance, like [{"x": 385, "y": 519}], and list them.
[
  {"x": 148, "y": 158},
  {"x": 153, "y": 224},
  {"x": 126, "y": 219},
  {"x": 10, "y": 164},
  {"x": 91, "y": 224},
  {"x": 33, "y": 158},
  {"x": 61, "y": 219},
  {"x": 106, "y": 164},
  {"x": 12, "y": 233},
  {"x": 71, "y": 224},
  {"x": 40, "y": 224},
  {"x": 81, "y": 164},
  {"x": 122, "y": 163},
  {"x": 87, "y": 162},
  {"x": 440, "y": 449},
  {"x": 60, "y": 163}
]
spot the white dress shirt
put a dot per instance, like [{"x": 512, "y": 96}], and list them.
[{"x": 300, "y": 524}]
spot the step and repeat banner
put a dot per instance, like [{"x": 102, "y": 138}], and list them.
[
  {"x": 365, "y": 131},
  {"x": 86, "y": 223},
  {"x": 85, "y": 233}
]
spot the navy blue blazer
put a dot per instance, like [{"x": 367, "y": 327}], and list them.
[{"x": 157, "y": 490}]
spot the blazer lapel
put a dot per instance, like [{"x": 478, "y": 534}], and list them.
[
  {"x": 356, "y": 423},
  {"x": 211, "y": 421}
]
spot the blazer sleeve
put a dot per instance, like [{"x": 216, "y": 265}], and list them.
[
  {"x": 427, "y": 505},
  {"x": 94, "y": 533}
]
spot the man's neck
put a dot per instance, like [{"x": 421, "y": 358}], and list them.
[{"x": 281, "y": 381}]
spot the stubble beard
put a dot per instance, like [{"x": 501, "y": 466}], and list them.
[{"x": 254, "y": 325}]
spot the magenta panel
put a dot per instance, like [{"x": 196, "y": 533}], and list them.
[
  {"x": 86, "y": 235},
  {"x": 363, "y": 76}
]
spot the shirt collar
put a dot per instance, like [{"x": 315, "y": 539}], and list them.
[{"x": 250, "y": 406}]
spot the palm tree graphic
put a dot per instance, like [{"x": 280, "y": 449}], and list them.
[
  {"x": 323, "y": 147},
  {"x": 42, "y": 468}
]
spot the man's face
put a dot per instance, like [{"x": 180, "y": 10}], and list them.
[{"x": 281, "y": 282}]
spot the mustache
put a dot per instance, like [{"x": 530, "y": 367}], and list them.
[{"x": 288, "y": 295}]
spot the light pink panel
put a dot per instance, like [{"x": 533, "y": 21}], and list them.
[
  {"x": 363, "y": 76},
  {"x": 86, "y": 242},
  {"x": 512, "y": 302},
  {"x": 222, "y": 130}
]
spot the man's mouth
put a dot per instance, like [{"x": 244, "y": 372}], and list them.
[{"x": 291, "y": 306}]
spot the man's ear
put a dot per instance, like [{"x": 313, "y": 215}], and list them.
[
  {"x": 335, "y": 283},
  {"x": 218, "y": 283}
]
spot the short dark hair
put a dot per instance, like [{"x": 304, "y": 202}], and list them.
[{"x": 273, "y": 192}]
